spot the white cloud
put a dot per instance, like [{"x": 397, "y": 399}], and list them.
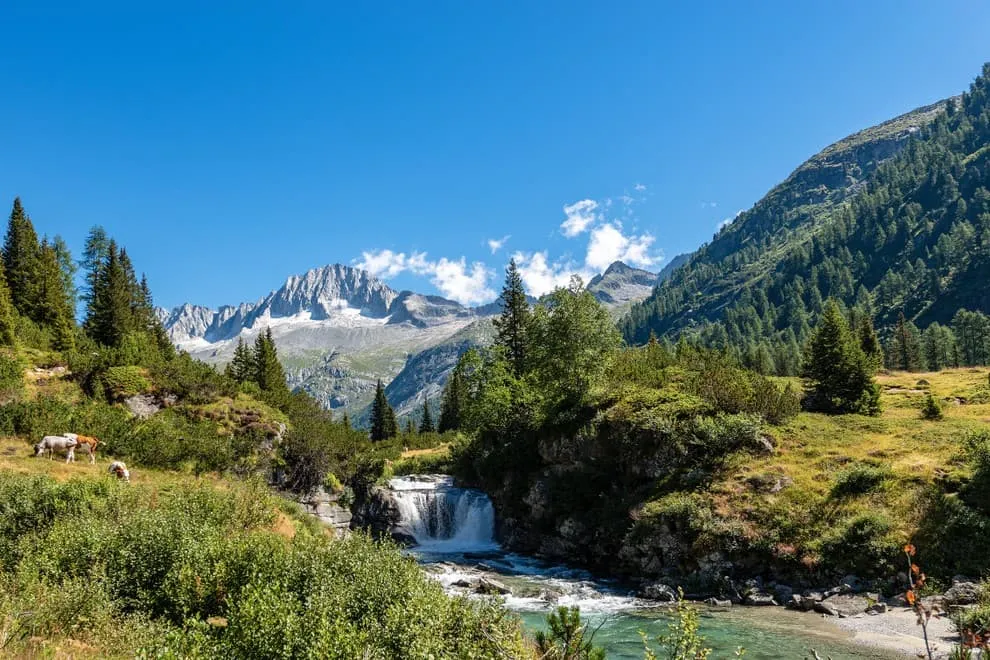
[
  {"x": 709, "y": 205},
  {"x": 580, "y": 215},
  {"x": 541, "y": 277},
  {"x": 608, "y": 244},
  {"x": 454, "y": 278},
  {"x": 730, "y": 220},
  {"x": 639, "y": 187},
  {"x": 383, "y": 263},
  {"x": 496, "y": 244}
]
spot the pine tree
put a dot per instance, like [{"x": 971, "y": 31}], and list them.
[
  {"x": 268, "y": 372},
  {"x": 346, "y": 421},
  {"x": 242, "y": 366},
  {"x": 110, "y": 316},
  {"x": 21, "y": 253},
  {"x": 95, "y": 254},
  {"x": 512, "y": 326},
  {"x": 839, "y": 374},
  {"x": 8, "y": 322},
  {"x": 410, "y": 427},
  {"x": 426, "y": 424},
  {"x": 383, "y": 425},
  {"x": 907, "y": 346},
  {"x": 54, "y": 302},
  {"x": 451, "y": 402},
  {"x": 869, "y": 343}
]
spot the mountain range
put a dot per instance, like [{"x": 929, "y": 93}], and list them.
[
  {"x": 893, "y": 220},
  {"x": 339, "y": 330}
]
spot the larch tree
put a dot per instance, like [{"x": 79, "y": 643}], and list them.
[{"x": 55, "y": 303}]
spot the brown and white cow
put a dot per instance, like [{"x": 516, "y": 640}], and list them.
[{"x": 85, "y": 444}]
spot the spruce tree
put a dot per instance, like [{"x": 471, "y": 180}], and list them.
[
  {"x": 8, "y": 320},
  {"x": 869, "y": 343},
  {"x": 512, "y": 326},
  {"x": 426, "y": 423},
  {"x": 242, "y": 366},
  {"x": 346, "y": 421},
  {"x": 21, "y": 253},
  {"x": 268, "y": 372},
  {"x": 838, "y": 373},
  {"x": 451, "y": 401},
  {"x": 410, "y": 427},
  {"x": 383, "y": 425},
  {"x": 95, "y": 254},
  {"x": 54, "y": 309},
  {"x": 907, "y": 353},
  {"x": 110, "y": 316}
]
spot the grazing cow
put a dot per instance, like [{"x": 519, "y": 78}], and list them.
[
  {"x": 119, "y": 470},
  {"x": 85, "y": 444},
  {"x": 50, "y": 443}
]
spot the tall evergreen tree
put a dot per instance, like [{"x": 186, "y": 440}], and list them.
[
  {"x": 426, "y": 423},
  {"x": 55, "y": 309},
  {"x": 8, "y": 322},
  {"x": 452, "y": 401},
  {"x": 67, "y": 268},
  {"x": 95, "y": 254},
  {"x": 242, "y": 366},
  {"x": 346, "y": 421},
  {"x": 410, "y": 427},
  {"x": 907, "y": 354},
  {"x": 383, "y": 425},
  {"x": 838, "y": 373},
  {"x": 869, "y": 343},
  {"x": 110, "y": 317},
  {"x": 21, "y": 253},
  {"x": 268, "y": 372},
  {"x": 512, "y": 326}
]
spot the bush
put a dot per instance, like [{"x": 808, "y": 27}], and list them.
[
  {"x": 11, "y": 375},
  {"x": 865, "y": 545},
  {"x": 120, "y": 383},
  {"x": 859, "y": 480},
  {"x": 196, "y": 572},
  {"x": 931, "y": 409}
]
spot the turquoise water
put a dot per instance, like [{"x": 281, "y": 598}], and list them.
[{"x": 761, "y": 632}]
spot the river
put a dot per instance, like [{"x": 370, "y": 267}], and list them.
[{"x": 455, "y": 533}]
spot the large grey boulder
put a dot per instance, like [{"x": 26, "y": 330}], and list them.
[
  {"x": 843, "y": 605},
  {"x": 658, "y": 591},
  {"x": 962, "y": 592}
]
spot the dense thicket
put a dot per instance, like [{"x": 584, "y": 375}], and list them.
[
  {"x": 915, "y": 240},
  {"x": 190, "y": 571}
]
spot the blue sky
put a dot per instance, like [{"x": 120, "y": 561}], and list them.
[{"x": 231, "y": 147}]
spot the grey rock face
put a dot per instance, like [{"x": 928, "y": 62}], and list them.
[{"x": 658, "y": 591}]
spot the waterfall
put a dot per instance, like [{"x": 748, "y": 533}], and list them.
[{"x": 442, "y": 517}]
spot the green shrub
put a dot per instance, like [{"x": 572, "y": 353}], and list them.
[
  {"x": 865, "y": 545},
  {"x": 931, "y": 409},
  {"x": 860, "y": 479},
  {"x": 197, "y": 573},
  {"x": 11, "y": 375},
  {"x": 120, "y": 383}
]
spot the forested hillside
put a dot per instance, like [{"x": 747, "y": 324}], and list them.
[{"x": 907, "y": 235}]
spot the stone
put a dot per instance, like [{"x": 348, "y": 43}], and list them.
[
  {"x": 765, "y": 445},
  {"x": 142, "y": 406},
  {"x": 716, "y": 602},
  {"x": 487, "y": 585},
  {"x": 403, "y": 539},
  {"x": 843, "y": 605},
  {"x": 782, "y": 593},
  {"x": 962, "y": 592},
  {"x": 464, "y": 584},
  {"x": 877, "y": 608},
  {"x": 759, "y": 599},
  {"x": 813, "y": 595},
  {"x": 854, "y": 583},
  {"x": 658, "y": 591}
]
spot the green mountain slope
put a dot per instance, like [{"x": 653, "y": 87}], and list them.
[{"x": 894, "y": 218}]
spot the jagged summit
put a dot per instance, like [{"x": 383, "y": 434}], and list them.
[{"x": 622, "y": 284}]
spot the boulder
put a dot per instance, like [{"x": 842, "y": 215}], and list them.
[
  {"x": 854, "y": 583},
  {"x": 962, "y": 592},
  {"x": 716, "y": 602},
  {"x": 490, "y": 586},
  {"x": 403, "y": 539},
  {"x": 759, "y": 599},
  {"x": 782, "y": 593},
  {"x": 658, "y": 591},
  {"x": 877, "y": 608},
  {"x": 801, "y": 603},
  {"x": 843, "y": 605},
  {"x": 464, "y": 584}
]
